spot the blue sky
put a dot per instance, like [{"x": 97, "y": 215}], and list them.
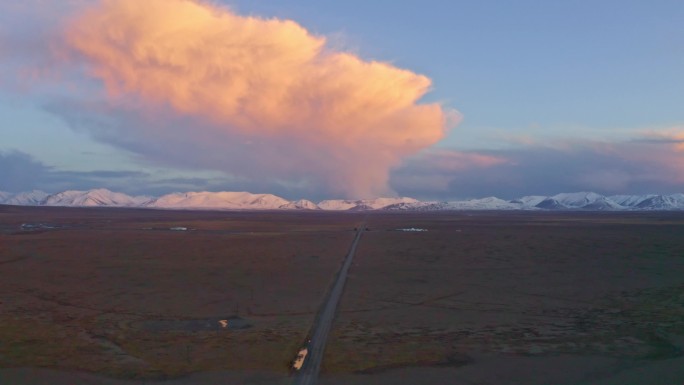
[
  {"x": 603, "y": 65},
  {"x": 527, "y": 76}
]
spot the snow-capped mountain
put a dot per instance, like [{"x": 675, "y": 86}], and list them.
[
  {"x": 489, "y": 203},
  {"x": 662, "y": 202},
  {"x": 630, "y": 200},
  {"x": 29, "y": 198},
  {"x": 587, "y": 201},
  {"x": 364, "y": 204},
  {"x": 337, "y": 205},
  {"x": 93, "y": 198},
  {"x": 578, "y": 199},
  {"x": 219, "y": 200},
  {"x": 4, "y": 196},
  {"x": 529, "y": 201},
  {"x": 650, "y": 201},
  {"x": 417, "y": 206},
  {"x": 550, "y": 204},
  {"x": 301, "y": 204}
]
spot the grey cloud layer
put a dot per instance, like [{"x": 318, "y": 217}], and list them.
[
  {"x": 21, "y": 172},
  {"x": 634, "y": 167}
]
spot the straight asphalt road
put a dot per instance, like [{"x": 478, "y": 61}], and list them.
[{"x": 308, "y": 375}]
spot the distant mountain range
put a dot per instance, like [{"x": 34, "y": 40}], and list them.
[{"x": 587, "y": 201}]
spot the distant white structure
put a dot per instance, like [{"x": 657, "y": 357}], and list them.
[
  {"x": 412, "y": 229},
  {"x": 179, "y": 229}
]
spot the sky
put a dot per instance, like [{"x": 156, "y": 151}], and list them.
[{"x": 307, "y": 99}]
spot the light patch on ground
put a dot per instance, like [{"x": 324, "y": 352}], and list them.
[{"x": 301, "y": 357}]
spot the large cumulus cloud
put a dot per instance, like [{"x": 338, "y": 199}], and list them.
[{"x": 193, "y": 84}]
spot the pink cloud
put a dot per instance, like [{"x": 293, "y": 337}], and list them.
[
  {"x": 452, "y": 160},
  {"x": 312, "y": 113}
]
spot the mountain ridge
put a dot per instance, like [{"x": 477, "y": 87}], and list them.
[{"x": 228, "y": 200}]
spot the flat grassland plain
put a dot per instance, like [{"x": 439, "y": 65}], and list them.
[{"x": 114, "y": 296}]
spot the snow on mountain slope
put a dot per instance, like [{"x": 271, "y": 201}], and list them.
[
  {"x": 94, "y": 198},
  {"x": 4, "y": 196},
  {"x": 29, "y": 198},
  {"x": 602, "y": 204},
  {"x": 337, "y": 204},
  {"x": 529, "y": 201},
  {"x": 417, "y": 206},
  {"x": 219, "y": 200},
  {"x": 489, "y": 203},
  {"x": 551, "y": 204},
  {"x": 650, "y": 201},
  {"x": 662, "y": 202},
  {"x": 678, "y": 196},
  {"x": 364, "y": 204},
  {"x": 629, "y": 200},
  {"x": 379, "y": 203},
  {"x": 578, "y": 199},
  {"x": 301, "y": 204}
]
